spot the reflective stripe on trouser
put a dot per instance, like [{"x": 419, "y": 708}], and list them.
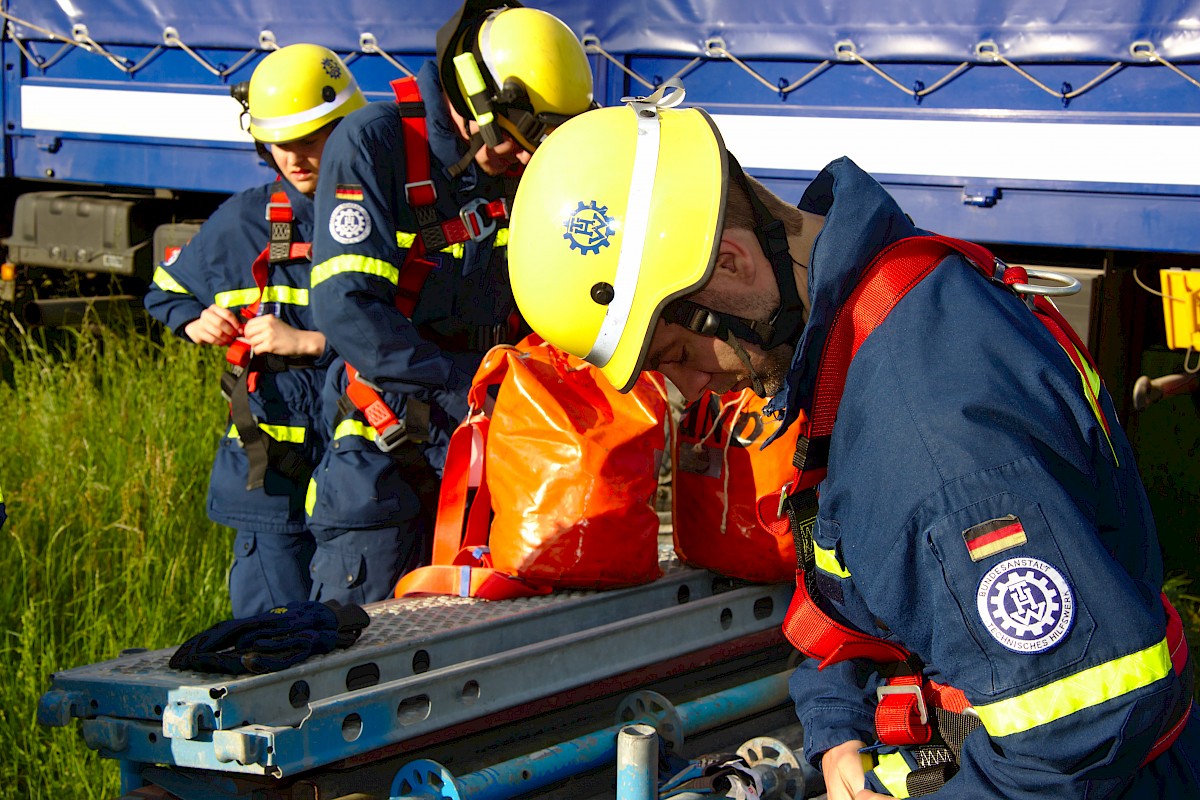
[{"x": 269, "y": 570}]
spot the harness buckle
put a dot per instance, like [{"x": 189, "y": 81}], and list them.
[
  {"x": 392, "y": 436},
  {"x": 906, "y": 688},
  {"x": 273, "y": 206},
  {"x": 410, "y": 188},
  {"x": 783, "y": 496},
  {"x": 478, "y": 226}
]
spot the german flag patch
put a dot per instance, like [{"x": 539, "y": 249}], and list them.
[
  {"x": 349, "y": 191},
  {"x": 994, "y": 536}
]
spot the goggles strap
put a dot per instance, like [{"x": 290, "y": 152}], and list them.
[{"x": 706, "y": 322}]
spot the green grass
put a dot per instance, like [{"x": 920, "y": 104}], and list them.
[{"x": 107, "y": 442}]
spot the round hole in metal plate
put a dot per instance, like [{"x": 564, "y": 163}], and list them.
[
  {"x": 726, "y": 618},
  {"x": 420, "y": 662},
  {"x": 470, "y": 692},
  {"x": 299, "y": 694},
  {"x": 683, "y": 595},
  {"x": 763, "y": 607},
  {"x": 413, "y": 709},
  {"x": 352, "y": 727}
]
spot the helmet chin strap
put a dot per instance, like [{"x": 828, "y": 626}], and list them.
[
  {"x": 756, "y": 381},
  {"x": 788, "y": 320},
  {"x": 474, "y": 145}
]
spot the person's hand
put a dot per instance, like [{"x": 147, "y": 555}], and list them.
[
  {"x": 270, "y": 334},
  {"x": 844, "y": 770},
  {"x": 867, "y": 794},
  {"x": 215, "y": 325}
]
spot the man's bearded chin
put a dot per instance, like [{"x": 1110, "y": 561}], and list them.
[{"x": 773, "y": 369}]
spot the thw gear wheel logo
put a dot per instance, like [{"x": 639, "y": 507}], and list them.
[
  {"x": 589, "y": 228},
  {"x": 1025, "y": 604}
]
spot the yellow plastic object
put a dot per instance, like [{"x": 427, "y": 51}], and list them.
[
  {"x": 472, "y": 80},
  {"x": 1181, "y": 307},
  {"x": 619, "y": 212},
  {"x": 534, "y": 70},
  {"x": 297, "y": 90}
]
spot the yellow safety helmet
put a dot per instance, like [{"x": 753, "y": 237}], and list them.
[
  {"x": 618, "y": 213},
  {"x": 296, "y": 90},
  {"x": 517, "y": 68}
]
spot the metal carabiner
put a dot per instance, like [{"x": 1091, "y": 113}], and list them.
[{"x": 1064, "y": 284}]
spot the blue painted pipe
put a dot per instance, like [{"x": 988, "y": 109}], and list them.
[
  {"x": 637, "y": 763},
  {"x": 597, "y": 749}
]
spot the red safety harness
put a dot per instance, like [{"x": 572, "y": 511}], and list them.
[
  {"x": 244, "y": 366},
  {"x": 903, "y": 712},
  {"x": 475, "y": 222},
  {"x": 279, "y": 249}
]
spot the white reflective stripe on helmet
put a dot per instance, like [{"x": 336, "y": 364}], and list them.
[
  {"x": 301, "y": 117},
  {"x": 633, "y": 238},
  {"x": 485, "y": 46}
]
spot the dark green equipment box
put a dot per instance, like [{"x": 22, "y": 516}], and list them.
[{"x": 84, "y": 232}]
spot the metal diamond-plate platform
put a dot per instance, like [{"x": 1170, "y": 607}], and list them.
[{"x": 422, "y": 665}]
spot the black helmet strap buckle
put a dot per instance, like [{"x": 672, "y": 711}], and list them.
[{"x": 707, "y": 322}]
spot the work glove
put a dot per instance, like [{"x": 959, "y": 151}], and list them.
[{"x": 273, "y": 640}]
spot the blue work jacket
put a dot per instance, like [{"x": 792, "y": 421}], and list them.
[
  {"x": 215, "y": 267},
  {"x": 961, "y": 414},
  {"x": 364, "y": 229}
]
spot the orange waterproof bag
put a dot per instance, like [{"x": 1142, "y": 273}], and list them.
[
  {"x": 720, "y": 472},
  {"x": 553, "y": 487}
]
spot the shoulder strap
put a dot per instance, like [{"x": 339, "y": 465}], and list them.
[
  {"x": 893, "y": 272},
  {"x": 419, "y": 189},
  {"x": 475, "y": 221}
]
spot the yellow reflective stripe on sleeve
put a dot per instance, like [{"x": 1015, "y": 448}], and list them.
[
  {"x": 271, "y": 294},
  {"x": 1091, "y": 390},
  {"x": 1085, "y": 689},
  {"x": 892, "y": 771},
  {"x": 310, "y": 496},
  {"x": 352, "y": 427},
  {"x": 163, "y": 280},
  {"x": 236, "y": 297},
  {"x": 827, "y": 561},
  {"x": 280, "y": 433},
  {"x": 404, "y": 240},
  {"x": 285, "y": 294},
  {"x": 351, "y": 263}
]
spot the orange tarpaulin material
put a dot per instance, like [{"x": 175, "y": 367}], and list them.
[
  {"x": 720, "y": 472},
  {"x": 569, "y": 468}
]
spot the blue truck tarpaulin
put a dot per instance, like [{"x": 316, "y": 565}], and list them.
[{"x": 934, "y": 30}]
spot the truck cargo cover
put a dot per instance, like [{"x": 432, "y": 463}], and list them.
[{"x": 933, "y": 30}]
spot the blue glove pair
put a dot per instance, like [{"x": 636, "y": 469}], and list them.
[{"x": 273, "y": 640}]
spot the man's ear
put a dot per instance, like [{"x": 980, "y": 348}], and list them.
[{"x": 734, "y": 256}]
